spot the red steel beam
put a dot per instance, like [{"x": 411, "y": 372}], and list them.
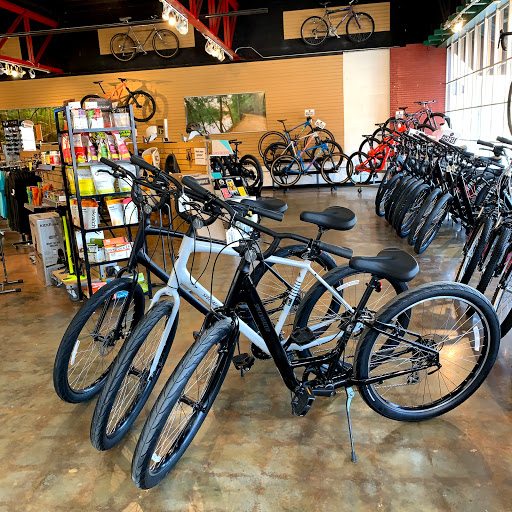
[
  {"x": 42, "y": 49},
  {"x": 30, "y": 47},
  {"x": 8, "y": 6},
  {"x": 200, "y": 27},
  {"x": 27, "y": 64},
  {"x": 11, "y": 29}
]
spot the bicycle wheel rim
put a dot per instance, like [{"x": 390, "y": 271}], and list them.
[
  {"x": 165, "y": 44},
  {"x": 286, "y": 171},
  {"x": 122, "y": 47},
  {"x": 90, "y": 366},
  {"x": 336, "y": 168},
  {"x": 143, "y": 106},
  {"x": 314, "y": 31},
  {"x": 452, "y": 378},
  {"x": 360, "y": 27}
]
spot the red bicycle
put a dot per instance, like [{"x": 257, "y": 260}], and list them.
[{"x": 365, "y": 166}]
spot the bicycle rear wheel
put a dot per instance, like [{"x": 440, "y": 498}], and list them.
[
  {"x": 363, "y": 170},
  {"x": 183, "y": 404},
  {"x": 123, "y": 47},
  {"x": 165, "y": 44},
  {"x": 144, "y": 106},
  {"x": 269, "y": 138},
  {"x": 314, "y": 30},
  {"x": 452, "y": 325},
  {"x": 250, "y": 169}
]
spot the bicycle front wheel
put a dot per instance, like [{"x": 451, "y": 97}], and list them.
[
  {"x": 270, "y": 138},
  {"x": 336, "y": 168},
  {"x": 144, "y": 106},
  {"x": 93, "y": 339},
  {"x": 360, "y": 27},
  {"x": 446, "y": 351},
  {"x": 250, "y": 169},
  {"x": 165, "y": 43},
  {"x": 314, "y": 30},
  {"x": 183, "y": 404},
  {"x": 123, "y": 47},
  {"x": 286, "y": 171},
  {"x": 130, "y": 381}
]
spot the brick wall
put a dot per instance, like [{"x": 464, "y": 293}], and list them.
[{"x": 417, "y": 73}]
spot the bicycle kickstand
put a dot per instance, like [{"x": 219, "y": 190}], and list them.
[{"x": 350, "y": 395}]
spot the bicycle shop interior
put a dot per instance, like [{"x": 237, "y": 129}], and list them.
[{"x": 296, "y": 209}]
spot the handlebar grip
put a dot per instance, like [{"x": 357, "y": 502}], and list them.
[
  {"x": 108, "y": 162},
  {"x": 192, "y": 184},
  {"x": 344, "y": 252},
  {"x": 484, "y": 143},
  {"x": 269, "y": 214},
  {"x": 137, "y": 160},
  {"x": 504, "y": 140}
]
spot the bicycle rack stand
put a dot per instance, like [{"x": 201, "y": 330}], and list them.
[{"x": 6, "y": 281}]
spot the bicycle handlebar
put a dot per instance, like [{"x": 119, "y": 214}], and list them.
[
  {"x": 484, "y": 143},
  {"x": 504, "y": 140}
]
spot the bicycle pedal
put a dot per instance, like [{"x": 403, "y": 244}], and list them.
[
  {"x": 302, "y": 400},
  {"x": 243, "y": 361},
  {"x": 301, "y": 336}
]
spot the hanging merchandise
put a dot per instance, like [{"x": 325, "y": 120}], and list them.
[
  {"x": 115, "y": 209},
  {"x": 103, "y": 181},
  {"x": 85, "y": 181},
  {"x": 130, "y": 211},
  {"x": 89, "y": 211}
]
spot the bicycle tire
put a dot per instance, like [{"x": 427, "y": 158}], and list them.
[
  {"x": 174, "y": 45},
  {"x": 425, "y": 209},
  {"x": 308, "y": 30},
  {"x": 384, "y": 131},
  {"x": 380, "y": 209},
  {"x": 495, "y": 258},
  {"x": 372, "y": 143},
  {"x": 262, "y": 145},
  {"x": 148, "y": 106},
  {"x": 221, "y": 333},
  {"x": 354, "y": 22},
  {"x": 509, "y": 108},
  {"x": 119, "y": 41},
  {"x": 342, "y": 167},
  {"x": 488, "y": 347},
  {"x": 476, "y": 246},
  {"x": 404, "y": 201},
  {"x": 382, "y": 188},
  {"x": 397, "y": 192},
  {"x": 68, "y": 349},
  {"x": 319, "y": 155},
  {"x": 128, "y": 379},
  {"x": 406, "y": 189},
  {"x": 366, "y": 176},
  {"x": 250, "y": 169},
  {"x": 502, "y": 300},
  {"x": 279, "y": 171},
  {"x": 433, "y": 223},
  {"x": 410, "y": 209}
]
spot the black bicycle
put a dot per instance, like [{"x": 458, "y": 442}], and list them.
[{"x": 422, "y": 354}]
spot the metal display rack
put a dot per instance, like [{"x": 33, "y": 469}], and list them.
[{"x": 77, "y": 260}]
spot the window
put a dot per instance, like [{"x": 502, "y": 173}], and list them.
[
  {"x": 480, "y": 45},
  {"x": 492, "y": 39},
  {"x": 504, "y": 26}
]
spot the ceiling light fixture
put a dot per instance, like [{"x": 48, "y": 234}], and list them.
[
  {"x": 31, "y": 73},
  {"x": 182, "y": 25},
  {"x": 458, "y": 26}
]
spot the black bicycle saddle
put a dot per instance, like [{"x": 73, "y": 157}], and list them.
[
  {"x": 389, "y": 263},
  {"x": 267, "y": 203},
  {"x": 98, "y": 82},
  {"x": 334, "y": 217}
]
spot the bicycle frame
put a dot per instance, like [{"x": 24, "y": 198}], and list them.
[
  {"x": 140, "y": 46},
  {"x": 182, "y": 284},
  {"x": 350, "y": 10}
]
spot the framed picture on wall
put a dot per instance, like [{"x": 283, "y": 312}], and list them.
[{"x": 228, "y": 113}]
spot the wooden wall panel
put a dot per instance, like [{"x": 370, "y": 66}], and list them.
[
  {"x": 106, "y": 34},
  {"x": 287, "y": 91},
  {"x": 12, "y": 48},
  {"x": 292, "y": 20}
]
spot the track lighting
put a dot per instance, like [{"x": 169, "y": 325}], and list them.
[
  {"x": 14, "y": 73},
  {"x": 166, "y": 11},
  {"x": 457, "y": 27},
  {"x": 213, "y": 49},
  {"x": 182, "y": 25},
  {"x": 31, "y": 73}
]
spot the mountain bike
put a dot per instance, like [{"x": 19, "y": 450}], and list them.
[
  {"x": 424, "y": 353},
  {"x": 274, "y": 137},
  {"x": 144, "y": 106},
  {"x": 165, "y": 43},
  {"x": 288, "y": 164},
  {"x": 360, "y": 26}
]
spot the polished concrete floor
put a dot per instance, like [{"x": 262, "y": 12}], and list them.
[{"x": 251, "y": 454}]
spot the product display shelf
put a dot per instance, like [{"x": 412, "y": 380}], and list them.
[
  {"x": 61, "y": 114},
  {"x": 87, "y": 164},
  {"x": 106, "y": 194},
  {"x": 53, "y": 204}
]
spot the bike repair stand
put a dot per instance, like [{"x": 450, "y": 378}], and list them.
[
  {"x": 350, "y": 395},
  {"x": 6, "y": 281}
]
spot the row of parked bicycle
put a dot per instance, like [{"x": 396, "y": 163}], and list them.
[
  {"x": 357, "y": 324},
  {"x": 310, "y": 149}
]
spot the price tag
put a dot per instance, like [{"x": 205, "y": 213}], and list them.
[
  {"x": 448, "y": 136},
  {"x": 90, "y": 105},
  {"x": 399, "y": 114},
  {"x": 320, "y": 124},
  {"x": 309, "y": 112},
  {"x": 182, "y": 207}
]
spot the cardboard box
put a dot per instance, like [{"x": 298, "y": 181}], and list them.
[
  {"x": 44, "y": 272},
  {"x": 117, "y": 248},
  {"x": 46, "y": 230}
]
